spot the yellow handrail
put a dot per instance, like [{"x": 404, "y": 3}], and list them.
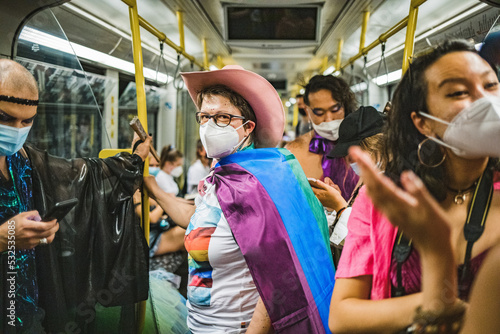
[
  {"x": 205, "y": 52},
  {"x": 339, "y": 54},
  {"x": 142, "y": 114},
  {"x": 410, "y": 21},
  {"x": 364, "y": 26},
  {"x": 180, "y": 22},
  {"x": 163, "y": 38},
  {"x": 410, "y": 33},
  {"x": 382, "y": 38}
]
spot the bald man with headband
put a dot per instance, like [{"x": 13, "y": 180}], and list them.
[{"x": 53, "y": 273}]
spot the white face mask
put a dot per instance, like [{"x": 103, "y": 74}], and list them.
[
  {"x": 176, "y": 172},
  {"x": 220, "y": 142},
  {"x": 355, "y": 168},
  {"x": 328, "y": 130},
  {"x": 475, "y": 131}
]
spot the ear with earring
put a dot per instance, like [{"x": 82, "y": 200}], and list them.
[{"x": 430, "y": 154}]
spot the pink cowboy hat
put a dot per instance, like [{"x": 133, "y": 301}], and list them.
[{"x": 258, "y": 92}]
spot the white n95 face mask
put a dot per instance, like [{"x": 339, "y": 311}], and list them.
[
  {"x": 219, "y": 142},
  {"x": 475, "y": 131},
  {"x": 176, "y": 172},
  {"x": 328, "y": 130},
  {"x": 356, "y": 168}
]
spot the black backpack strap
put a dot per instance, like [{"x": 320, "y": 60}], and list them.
[{"x": 476, "y": 219}]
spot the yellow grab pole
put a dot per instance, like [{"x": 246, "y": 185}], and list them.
[
  {"x": 142, "y": 114},
  {"x": 391, "y": 32},
  {"x": 180, "y": 21},
  {"x": 364, "y": 26},
  {"x": 163, "y": 38},
  {"x": 339, "y": 55},
  {"x": 205, "y": 53},
  {"x": 410, "y": 33},
  {"x": 324, "y": 64},
  {"x": 220, "y": 64}
]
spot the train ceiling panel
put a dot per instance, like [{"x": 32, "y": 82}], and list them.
[
  {"x": 206, "y": 19},
  {"x": 14, "y": 15}
]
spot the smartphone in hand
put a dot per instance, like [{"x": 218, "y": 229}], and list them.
[
  {"x": 60, "y": 210},
  {"x": 313, "y": 182}
]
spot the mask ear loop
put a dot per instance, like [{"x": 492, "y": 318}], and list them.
[
  {"x": 240, "y": 144},
  {"x": 437, "y": 140}
]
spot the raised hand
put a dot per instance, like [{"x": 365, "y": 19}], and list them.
[
  {"x": 142, "y": 149},
  {"x": 412, "y": 207}
]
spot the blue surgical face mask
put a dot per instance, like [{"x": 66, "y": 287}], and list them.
[
  {"x": 12, "y": 139},
  {"x": 154, "y": 170},
  {"x": 355, "y": 168}
]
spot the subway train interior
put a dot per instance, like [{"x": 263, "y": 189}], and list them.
[
  {"x": 82, "y": 54},
  {"x": 100, "y": 63}
]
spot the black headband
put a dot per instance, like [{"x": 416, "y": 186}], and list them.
[{"x": 17, "y": 100}]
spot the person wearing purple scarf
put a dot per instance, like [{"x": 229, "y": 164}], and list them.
[{"x": 329, "y": 100}]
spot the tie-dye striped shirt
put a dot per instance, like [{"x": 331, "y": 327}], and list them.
[{"x": 221, "y": 292}]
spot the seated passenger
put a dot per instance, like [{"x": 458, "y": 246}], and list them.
[
  {"x": 154, "y": 165},
  {"x": 257, "y": 239},
  {"x": 171, "y": 161},
  {"x": 53, "y": 275},
  {"x": 166, "y": 240},
  {"x": 444, "y": 99},
  {"x": 413, "y": 209},
  {"x": 328, "y": 100},
  {"x": 198, "y": 170}
]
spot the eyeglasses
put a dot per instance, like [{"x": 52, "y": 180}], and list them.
[
  {"x": 221, "y": 120},
  {"x": 321, "y": 112}
]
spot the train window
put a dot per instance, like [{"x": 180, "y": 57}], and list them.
[
  {"x": 69, "y": 121},
  {"x": 127, "y": 109}
]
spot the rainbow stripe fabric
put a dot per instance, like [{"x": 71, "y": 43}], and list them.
[{"x": 281, "y": 229}]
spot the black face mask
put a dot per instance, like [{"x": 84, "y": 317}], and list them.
[{"x": 302, "y": 111}]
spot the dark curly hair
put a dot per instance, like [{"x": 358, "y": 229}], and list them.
[
  {"x": 402, "y": 137},
  {"x": 337, "y": 86}
]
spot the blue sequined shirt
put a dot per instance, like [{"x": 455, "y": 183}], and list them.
[{"x": 16, "y": 197}]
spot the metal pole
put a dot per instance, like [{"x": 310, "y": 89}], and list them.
[
  {"x": 205, "y": 53},
  {"x": 180, "y": 21},
  {"x": 410, "y": 33},
  {"x": 142, "y": 114},
  {"x": 324, "y": 64},
  {"x": 339, "y": 54},
  {"x": 364, "y": 26}
]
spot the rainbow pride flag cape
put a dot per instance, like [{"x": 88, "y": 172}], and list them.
[{"x": 281, "y": 229}]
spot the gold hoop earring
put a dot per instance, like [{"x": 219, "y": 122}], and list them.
[{"x": 420, "y": 145}]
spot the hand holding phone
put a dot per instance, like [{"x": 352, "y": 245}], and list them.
[
  {"x": 313, "y": 182},
  {"x": 60, "y": 210}
]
